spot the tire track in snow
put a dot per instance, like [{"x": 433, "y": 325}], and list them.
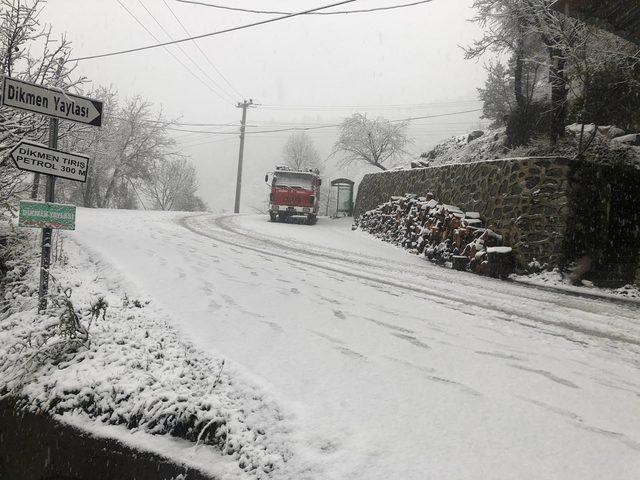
[
  {"x": 579, "y": 422},
  {"x": 224, "y": 222},
  {"x": 600, "y": 305},
  {"x": 449, "y": 300}
]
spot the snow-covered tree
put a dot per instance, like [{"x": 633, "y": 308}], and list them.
[
  {"x": 29, "y": 52},
  {"x": 523, "y": 29},
  {"x": 497, "y": 96},
  {"x": 172, "y": 184},
  {"x": 562, "y": 37},
  {"x": 122, "y": 152},
  {"x": 133, "y": 160},
  {"x": 376, "y": 142},
  {"x": 97, "y": 144},
  {"x": 300, "y": 153},
  {"x": 140, "y": 137},
  {"x": 507, "y": 26},
  {"x": 499, "y": 99}
]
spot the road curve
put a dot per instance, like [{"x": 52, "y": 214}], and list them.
[
  {"x": 522, "y": 303},
  {"x": 384, "y": 365}
]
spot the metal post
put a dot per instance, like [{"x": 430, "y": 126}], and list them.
[
  {"x": 328, "y": 202},
  {"x": 35, "y": 186},
  {"x": 244, "y": 105},
  {"x": 45, "y": 260}
]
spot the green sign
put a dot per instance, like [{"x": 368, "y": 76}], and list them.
[{"x": 47, "y": 215}]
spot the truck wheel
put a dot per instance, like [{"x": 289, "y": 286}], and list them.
[
  {"x": 273, "y": 216},
  {"x": 282, "y": 217},
  {"x": 312, "y": 219}
]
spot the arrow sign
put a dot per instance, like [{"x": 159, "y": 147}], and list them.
[
  {"x": 54, "y": 103},
  {"x": 33, "y": 157}
]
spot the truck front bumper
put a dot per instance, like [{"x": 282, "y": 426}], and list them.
[{"x": 290, "y": 210}]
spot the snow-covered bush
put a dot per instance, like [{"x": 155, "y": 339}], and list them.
[
  {"x": 128, "y": 368},
  {"x": 53, "y": 337}
]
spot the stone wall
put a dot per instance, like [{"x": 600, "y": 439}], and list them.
[
  {"x": 525, "y": 200},
  {"x": 539, "y": 205}
]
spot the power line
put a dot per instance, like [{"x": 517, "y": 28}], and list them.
[
  {"x": 266, "y": 123},
  {"x": 228, "y": 139},
  {"x": 170, "y": 52},
  {"x": 228, "y": 132},
  {"x": 276, "y": 12},
  {"x": 211, "y": 34},
  {"x": 319, "y": 127},
  {"x": 196, "y": 64},
  {"x": 365, "y": 107},
  {"x": 187, "y": 124},
  {"x": 411, "y": 119},
  {"x": 202, "y": 51},
  {"x": 207, "y": 143}
]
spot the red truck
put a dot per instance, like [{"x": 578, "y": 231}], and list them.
[{"x": 293, "y": 193}]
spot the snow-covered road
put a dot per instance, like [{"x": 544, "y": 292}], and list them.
[{"x": 390, "y": 367}]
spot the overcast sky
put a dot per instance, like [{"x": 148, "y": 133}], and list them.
[{"x": 400, "y": 63}]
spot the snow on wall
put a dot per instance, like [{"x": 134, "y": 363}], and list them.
[{"x": 536, "y": 203}]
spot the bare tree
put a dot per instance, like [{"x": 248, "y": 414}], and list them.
[
  {"x": 299, "y": 152},
  {"x": 562, "y": 37},
  {"x": 95, "y": 143},
  {"x": 28, "y": 52},
  {"x": 134, "y": 163},
  {"x": 525, "y": 28},
  {"x": 507, "y": 26},
  {"x": 376, "y": 142},
  {"x": 499, "y": 98},
  {"x": 139, "y": 137},
  {"x": 191, "y": 203},
  {"x": 172, "y": 183}
]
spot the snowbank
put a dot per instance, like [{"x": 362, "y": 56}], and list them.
[{"x": 134, "y": 370}]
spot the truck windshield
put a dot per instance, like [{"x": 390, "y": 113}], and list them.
[{"x": 292, "y": 180}]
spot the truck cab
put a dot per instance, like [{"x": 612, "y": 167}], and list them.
[{"x": 293, "y": 193}]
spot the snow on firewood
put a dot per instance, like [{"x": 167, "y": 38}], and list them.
[{"x": 443, "y": 233}]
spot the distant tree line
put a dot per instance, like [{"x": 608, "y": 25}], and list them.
[{"x": 558, "y": 70}]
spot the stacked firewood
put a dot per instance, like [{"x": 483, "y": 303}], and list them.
[{"x": 444, "y": 234}]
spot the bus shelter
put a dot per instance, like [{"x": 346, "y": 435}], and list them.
[{"x": 342, "y": 192}]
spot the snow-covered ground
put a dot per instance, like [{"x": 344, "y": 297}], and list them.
[
  {"x": 383, "y": 365},
  {"x": 348, "y": 358}
]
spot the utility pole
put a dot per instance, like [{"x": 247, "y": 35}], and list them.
[{"x": 244, "y": 105}]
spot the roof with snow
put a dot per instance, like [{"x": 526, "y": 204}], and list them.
[{"x": 621, "y": 17}]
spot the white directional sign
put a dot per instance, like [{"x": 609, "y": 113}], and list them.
[
  {"x": 37, "y": 158},
  {"x": 51, "y": 102}
]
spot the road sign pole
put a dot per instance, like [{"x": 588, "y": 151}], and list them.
[
  {"x": 56, "y": 104},
  {"x": 45, "y": 261},
  {"x": 35, "y": 186}
]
